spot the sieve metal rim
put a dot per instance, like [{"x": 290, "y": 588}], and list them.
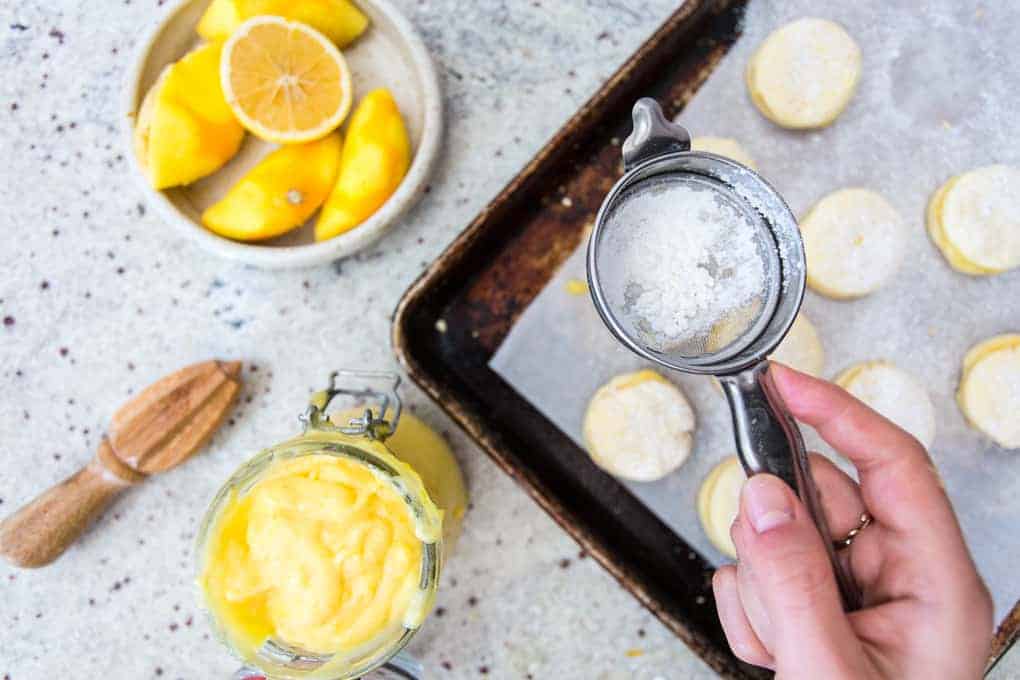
[{"x": 787, "y": 301}]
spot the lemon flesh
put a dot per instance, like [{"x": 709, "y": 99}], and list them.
[
  {"x": 339, "y": 20},
  {"x": 285, "y": 82},
  {"x": 185, "y": 130},
  {"x": 375, "y": 160},
  {"x": 278, "y": 194},
  {"x": 219, "y": 20}
]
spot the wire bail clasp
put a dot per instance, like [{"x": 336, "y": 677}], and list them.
[{"x": 373, "y": 422}]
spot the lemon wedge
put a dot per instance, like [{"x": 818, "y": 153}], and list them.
[
  {"x": 219, "y": 20},
  {"x": 278, "y": 194},
  {"x": 185, "y": 130},
  {"x": 285, "y": 82},
  {"x": 339, "y": 20},
  {"x": 375, "y": 160}
]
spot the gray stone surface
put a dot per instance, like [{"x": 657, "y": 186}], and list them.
[
  {"x": 102, "y": 298},
  {"x": 105, "y": 298}
]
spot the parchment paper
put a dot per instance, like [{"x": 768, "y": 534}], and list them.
[{"x": 940, "y": 94}]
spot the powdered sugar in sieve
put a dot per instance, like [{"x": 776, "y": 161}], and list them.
[{"x": 685, "y": 266}]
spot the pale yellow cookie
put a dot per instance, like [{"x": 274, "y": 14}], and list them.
[
  {"x": 989, "y": 393},
  {"x": 802, "y": 348},
  {"x": 719, "y": 503},
  {"x": 895, "y": 394},
  {"x": 804, "y": 74},
  {"x": 974, "y": 219},
  {"x": 732, "y": 326},
  {"x": 724, "y": 146},
  {"x": 955, "y": 258},
  {"x": 854, "y": 242},
  {"x": 639, "y": 426}
]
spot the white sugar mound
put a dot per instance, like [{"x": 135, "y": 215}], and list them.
[{"x": 685, "y": 258}]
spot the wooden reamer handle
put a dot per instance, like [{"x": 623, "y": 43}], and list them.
[{"x": 40, "y": 531}]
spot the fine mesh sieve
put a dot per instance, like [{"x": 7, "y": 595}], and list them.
[
  {"x": 686, "y": 268},
  {"x": 696, "y": 263}
]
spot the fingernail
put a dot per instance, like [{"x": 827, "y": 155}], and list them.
[{"x": 767, "y": 502}]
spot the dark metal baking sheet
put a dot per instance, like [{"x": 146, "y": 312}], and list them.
[{"x": 452, "y": 320}]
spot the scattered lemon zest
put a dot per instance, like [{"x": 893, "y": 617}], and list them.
[{"x": 577, "y": 286}]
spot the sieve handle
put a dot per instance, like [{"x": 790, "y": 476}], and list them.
[
  {"x": 653, "y": 134},
  {"x": 768, "y": 440}
]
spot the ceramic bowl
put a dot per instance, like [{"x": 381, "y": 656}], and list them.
[{"x": 390, "y": 54}]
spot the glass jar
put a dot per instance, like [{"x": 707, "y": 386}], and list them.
[{"x": 358, "y": 445}]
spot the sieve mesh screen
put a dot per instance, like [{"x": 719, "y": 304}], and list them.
[{"x": 686, "y": 267}]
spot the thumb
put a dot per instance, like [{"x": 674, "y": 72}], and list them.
[{"x": 789, "y": 570}]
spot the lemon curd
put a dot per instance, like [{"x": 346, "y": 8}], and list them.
[{"x": 331, "y": 545}]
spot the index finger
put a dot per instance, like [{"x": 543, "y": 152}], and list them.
[{"x": 899, "y": 483}]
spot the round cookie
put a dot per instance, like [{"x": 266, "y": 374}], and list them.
[
  {"x": 801, "y": 348},
  {"x": 854, "y": 242},
  {"x": 732, "y": 326},
  {"x": 895, "y": 394},
  {"x": 804, "y": 74},
  {"x": 989, "y": 393},
  {"x": 955, "y": 258},
  {"x": 724, "y": 146},
  {"x": 639, "y": 426},
  {"x": 974, "y": 219},
  {"x": 719, "y": 503}
]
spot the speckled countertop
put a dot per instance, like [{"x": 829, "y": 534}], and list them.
[{"x": 99, "y": 298}]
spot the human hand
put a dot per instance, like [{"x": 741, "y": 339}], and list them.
[{"x": 927, "y": 613}]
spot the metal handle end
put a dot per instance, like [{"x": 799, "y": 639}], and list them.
[{"x": 653, "y": 135}]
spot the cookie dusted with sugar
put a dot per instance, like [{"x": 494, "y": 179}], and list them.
[
  {"x": 895, "y": 394},
  {"x": 639, "y": 426},
  {"x": 989, "y": 393},
  {"x": 974, "y": 219},
  {"x": 804, "y": 74},
  {"x": 689, "y": 259},
  {"x": 854, "y": 242}
]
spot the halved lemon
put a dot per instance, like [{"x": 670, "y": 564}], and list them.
[{"x": 285, "y": 82}]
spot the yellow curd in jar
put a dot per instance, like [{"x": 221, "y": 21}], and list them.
[{"x": 323, "y": 551}]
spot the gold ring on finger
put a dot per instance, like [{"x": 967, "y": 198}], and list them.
[{"x": 847, "y": 540}]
